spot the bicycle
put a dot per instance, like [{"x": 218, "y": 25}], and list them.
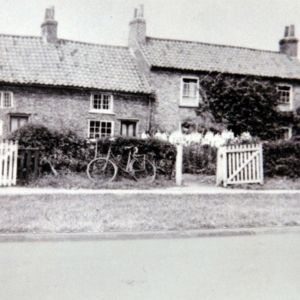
[{"x": 104, "y": 169}]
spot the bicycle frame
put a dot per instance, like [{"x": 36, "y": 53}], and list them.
[
  {"x": 136, "y": 166},
  {"x": 111, "y": 156}
]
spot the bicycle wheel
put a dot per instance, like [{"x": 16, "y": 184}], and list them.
[
  {"x": 101, "y": 170},
  {"x": 143, "y": 169}
]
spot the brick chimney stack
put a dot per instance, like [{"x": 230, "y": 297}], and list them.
[
  {"x": 49, "y": 26},
  {"x": 289, "y": 44},
  {"x": 137, "y": 27}
]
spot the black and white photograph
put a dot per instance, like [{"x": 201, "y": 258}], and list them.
[{"x": 149, "y": 150}]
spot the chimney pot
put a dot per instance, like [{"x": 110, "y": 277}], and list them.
[
  {"x": 49, "y": 26},
  {"x": 137, "y": 27},
  {"x": 292, "y": 31},
  {"x": 140, "y": 11},
  {"x": 289, "y": 44},
  {"x": 286, "y": 31}
]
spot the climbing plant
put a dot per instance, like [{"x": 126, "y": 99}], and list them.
[{"x": 242, "y": 104}]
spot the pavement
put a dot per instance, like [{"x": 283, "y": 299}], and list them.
[
  {"x": 177, "y": 190},
  {"x": 171, "y": 234}
]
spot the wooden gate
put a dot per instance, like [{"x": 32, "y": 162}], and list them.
[
  {"x": 28, "y": 164},
  {"x": 239, "y": 164},
  {"x": 8, "y": 163}
]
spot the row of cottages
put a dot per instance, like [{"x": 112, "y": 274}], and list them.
[
  {"x": 174, "y": 67},
  {"x": 95, "y": 90},
  {"x": 100, "y": 91}
]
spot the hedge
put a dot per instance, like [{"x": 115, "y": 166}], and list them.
[
  {"x": 282, "y": 158},
  {"x": 59, "y": 150},
  {"x": 66, "y": 151}
]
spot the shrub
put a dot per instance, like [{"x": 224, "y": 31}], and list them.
[
  {"x": 59, "y": 150},
  {"x": 282, "y": 158}
]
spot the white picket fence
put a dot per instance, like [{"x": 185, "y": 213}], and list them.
[
  {"x": 8, "y": 163},
  {"x": 239, "y": 164}
]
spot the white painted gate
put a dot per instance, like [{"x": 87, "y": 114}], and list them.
[
  {"x": 238, "y": 164},
  {"x": 8, "y": 163}
]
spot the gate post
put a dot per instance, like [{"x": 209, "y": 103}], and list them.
[
  {"x": 261, "y": 161},
  {"x": 179, "y": 160},
  {"x": 220, "y": 159}
]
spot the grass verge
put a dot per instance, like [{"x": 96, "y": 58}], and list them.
[
  {"x": 81, "y": 181},
  {"x": 145, "y": 212}
]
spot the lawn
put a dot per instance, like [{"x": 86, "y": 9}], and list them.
[{"x": 145, "y": 212}]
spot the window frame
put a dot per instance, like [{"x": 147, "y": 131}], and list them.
[
  {"x": 135, "y": 121},
  {"x": 181, "y": 102},
  {"x": 2, "y": 93},
  {"x": 18, "y": 116},
  {"x": 101, "y": 110},
  {"x": 107, "y": 121},
  {"x": 289, "y": 104}
]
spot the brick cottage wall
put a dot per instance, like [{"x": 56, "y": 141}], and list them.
[
  {"x": 62, "y": 108},
  {"x": 168, "y": 113}
]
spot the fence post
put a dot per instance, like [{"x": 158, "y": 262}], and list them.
[{"x": 179, "y": 160}]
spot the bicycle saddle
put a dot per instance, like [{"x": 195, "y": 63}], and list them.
[{"x": 128, "y": 147}]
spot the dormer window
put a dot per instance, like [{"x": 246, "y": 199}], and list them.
[
  {"x": 189, "y": 92},
  {"x": 102, "y": 103},
  {"x": 285, "y": 95},
  {"x": 6, "y": 99}
]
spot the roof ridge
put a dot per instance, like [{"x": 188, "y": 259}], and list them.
[
  {"x": 212, "y": 44},
  {"x": 93, "y": 44},
  {"x": 20, "y": 36},
  {"x": 63, "y": 40}
]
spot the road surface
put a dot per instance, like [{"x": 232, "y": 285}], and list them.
[{"x": 244, "y": 267}]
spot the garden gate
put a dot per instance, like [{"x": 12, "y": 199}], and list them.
[
  {"x": 28, "y": 164},
  {"x": 238, "y": 164},
  {"x": 8, "y": 163}
]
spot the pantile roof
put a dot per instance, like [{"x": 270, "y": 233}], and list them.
[
  {"x": 196, "y": 56},
  {"x": 29, "y": 60}
]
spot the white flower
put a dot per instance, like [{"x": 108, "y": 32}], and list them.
[
  {"x": 246, "y": 136},
  {"x": 176, "y": 137},
  {"x": 144, "y": 135}
]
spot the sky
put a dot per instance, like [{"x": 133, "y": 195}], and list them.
[{"x": 247, "y": 23}]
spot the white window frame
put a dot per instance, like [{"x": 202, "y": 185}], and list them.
[
  {"x": 89, "y": 126},
  {"x": 290, "y": 104},
  {"x": 101, "y": 110},
  {"x": 196, "y": 100},
  {"x": 2, "y": 99},
  {"x": 290, "y": 132}
]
